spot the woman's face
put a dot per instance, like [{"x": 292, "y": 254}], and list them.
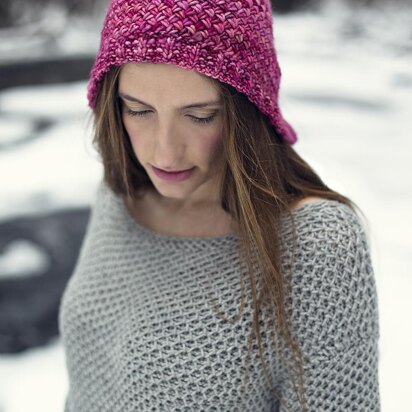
[{"x": 167, "y": 135}]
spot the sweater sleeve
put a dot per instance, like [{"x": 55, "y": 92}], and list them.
[{"x": 335, "y": 316}]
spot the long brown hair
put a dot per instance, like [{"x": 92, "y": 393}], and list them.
[{"x": 263, "y": 178}]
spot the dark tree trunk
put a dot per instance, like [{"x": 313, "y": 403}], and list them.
[{"x": 286, "y": 6}]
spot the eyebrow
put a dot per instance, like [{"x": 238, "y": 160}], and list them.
[{"x": 188, "y": 106}]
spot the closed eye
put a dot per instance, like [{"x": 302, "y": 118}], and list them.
[{"x": 194, "y": 118}]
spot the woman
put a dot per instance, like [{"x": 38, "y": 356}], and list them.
[{"x": 218, "y": 271}]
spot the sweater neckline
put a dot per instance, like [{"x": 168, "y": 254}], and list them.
[
  {"x": 221, "y": 239},
  {"x": 152, "y": 234}
]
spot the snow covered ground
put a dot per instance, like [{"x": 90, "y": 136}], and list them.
[{"x": 346, "y": 88}]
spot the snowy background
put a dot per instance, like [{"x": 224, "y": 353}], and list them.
[{"x": 346, "y": 89}]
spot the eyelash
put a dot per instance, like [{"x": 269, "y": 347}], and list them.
[{"x": 194, "y": 118}]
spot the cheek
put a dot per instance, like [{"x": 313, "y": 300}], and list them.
[
  {"x": 211, "y": 148},
  {"x": 136, "y": 138}
]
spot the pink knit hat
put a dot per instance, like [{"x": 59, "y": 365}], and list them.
[{"x": 231, "y": 41}]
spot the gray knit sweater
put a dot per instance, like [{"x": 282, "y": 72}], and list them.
[{"x": 140, "y": 330}]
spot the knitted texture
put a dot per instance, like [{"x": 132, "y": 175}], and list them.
[
  {"x": 141, "y": 333},
  {"x": 231, "y": 41}
]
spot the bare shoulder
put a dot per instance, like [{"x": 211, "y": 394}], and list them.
[{"x": 306, "y": 200}]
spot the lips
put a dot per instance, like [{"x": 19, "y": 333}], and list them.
[
  {"x": 173, "y": 176},
  {"x": 172, "y": 171}
]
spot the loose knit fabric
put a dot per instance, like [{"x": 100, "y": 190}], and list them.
[
  {"x": 141, "y": 333},
  {"x": 231, "y": 41}
]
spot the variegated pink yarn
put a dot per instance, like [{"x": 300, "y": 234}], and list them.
[{"x": 231, "y": 41}]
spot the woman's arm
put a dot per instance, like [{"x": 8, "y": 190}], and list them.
[{"x": 335, "y": 317}]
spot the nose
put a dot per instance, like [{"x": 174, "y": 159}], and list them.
[{"x": 168, "y": 148}]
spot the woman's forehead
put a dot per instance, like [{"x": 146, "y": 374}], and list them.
[
  {"x": 174, "y": 72},
  {"x": 155, "y": 78}
]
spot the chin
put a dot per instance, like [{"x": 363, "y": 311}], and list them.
[{"x": 170, "y": 189}]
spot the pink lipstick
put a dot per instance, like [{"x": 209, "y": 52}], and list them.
[{"x": 173, "y": 176}]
